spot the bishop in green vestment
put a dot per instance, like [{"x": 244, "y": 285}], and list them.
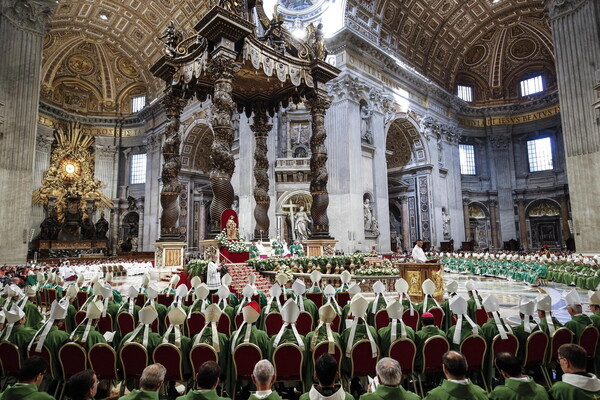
[
  {"x": 516, "y": 385},
  {"x": 576, "y": 382},
  {"x": 456, "y": 385}
]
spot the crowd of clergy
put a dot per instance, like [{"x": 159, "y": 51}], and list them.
[{"x": 32, "y": 328}]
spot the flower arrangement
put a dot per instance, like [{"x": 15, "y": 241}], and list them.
[
  {"x": 237, "y": 245},
  {"x": 272, "y": 264},
  {"x": 196, "y": 267}
]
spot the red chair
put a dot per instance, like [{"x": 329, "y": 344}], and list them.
[
  {"x": 79, "y": 317},
  {"x": 411, "y": 320},
  {"x": 561, "y": 336},
  {"x": 154, "y": 326},
  {"x": 45, "y": 354},
  {"x": 51, "y": 296},
  {"x": 81, "y": 298},
  {"x": 134, "y": 358},
  {"x": 103, "y": 360},
  {"x": 105, "y": 324},
  {"x": 323, "y": 348},
  {"x": 342, "y": 298},
  {"x": 43, "y": 298},
  {"x": 288, "y": 361},
  {"x": 361, "y": 359},
  {"x": 239, "y": 318},
  {"x": 214, "y": 298},
  {"x": 164, "y": 299},
  {"x": 382, "y": 319},
  {"x": 273, "y": 323},
  {"x": 316, "y": 298},
  {"x": 433, "y": 350},
  {"x": 200, "y": 354},
  {"x": 336, "y": 324},
  {"x": 170, "y": 356},
  {"x": 304, "y": 323},
  {"x": 589, "y": 340},
  {"x": 245, "y": 356},
  {"x": 535, "y": 353},
  {"x": 10, "y": 358},
  {"x": 195, "y": 323},
  {"x": 72, "y": 358},
  {"x": 125, "y": 323},
  {"x": 474, "y": 348},
  {"x": 508, "y": 345},
  {"x": 405, "y": 351},
  {"x": 481, "y": 316},
  {"x": 224, "y": 324},
  {"x": 140, "y": 300},
  {"x": 438, "y": 316}
]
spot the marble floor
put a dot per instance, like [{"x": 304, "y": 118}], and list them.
[{"x": 508, "y": 293}]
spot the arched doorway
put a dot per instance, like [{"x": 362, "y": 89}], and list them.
[
  {"x": 288, "y": 206},
  {"x": 543, "y": 217},
  {"x": 480, "y": 228}
]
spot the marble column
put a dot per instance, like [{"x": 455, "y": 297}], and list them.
[
  {"x": 468, "y": 236},
  {"x": 575, "y": 31},
  {"x": 43, "y": 145},
  {"x": 318, "y": 106},
  {"x": 261, "y": 130},
  {"x": 22, "y": 26},
  {"x": 564, "y": 218},
  {"x": 522, "y": 224},
  {"x": 222, "y": 70},
  {"x": 406, "y": 244},
  {"x": 494, "y": 224}
]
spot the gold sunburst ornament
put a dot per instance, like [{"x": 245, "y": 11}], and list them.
[{"x": 71, "y": 172}]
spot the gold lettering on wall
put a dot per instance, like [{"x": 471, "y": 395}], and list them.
[
  {"x": 101, "y": 131},
  {"x": 511, "y": 119}
]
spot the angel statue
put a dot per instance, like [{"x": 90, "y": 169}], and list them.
[
  {"x": 171, "y": 39},
  {"x": 316, "y": 40}
]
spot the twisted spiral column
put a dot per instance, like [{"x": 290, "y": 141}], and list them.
[
  {"x": 169, "y": 194},
  {"x": 222, "y": 70},
  {"x": 261, "y": 130},
  {"x": 319, "y": 176}
]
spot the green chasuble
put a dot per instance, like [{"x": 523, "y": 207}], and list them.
[
  {"x": 224, "y": 352},
  {"x": 309, "y": 367},
  {"x": 21, "y": 335},
  {"x": 333, "y": 393},
  {"x": 201, "y": 395},
  {"x": 253, "y": 250},
  {"x": 360, "y": 334},
  {"x": 472, "y": 306},
  {"x": 515, "y": 389},
  {"x": 466, "y": 331},
  {"x": 24, "y": 392},
  {"x": 54, "y": 341},
  {"x": 452, "y": 390},
  {"x": 576, "y": 387},
  {"x": 140, "y": 395},
  {"x": 70, "y": 319},
  {"x": 385, "y": 337},
  {"x": 186, "y": 346},
  {"x": 577, "y": 324},
  {"x": 287, "y": 337},
  {"x": 93, "y": 337},
  {"x": 384, "y": 392},
  {"x": 154, "y": 339},
  {"x": 489, "y": 330},
  {"x": 271, "y": 396},
  {"x": 258, "y": 338}
]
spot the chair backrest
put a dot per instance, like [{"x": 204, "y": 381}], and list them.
[
  {"x": 169, "y": 355},
  {"x": 433, "y": 350},
  {"x": 224, "y": 324},
  {"x": 362, "y": 360},
  {"x": 195, "y": 323},
  {"x": 44, "y": 298},
  {"x": 239, "y": 318},
  {"x": 52, "y": 295},
  {"x": 288, "y": 360},
  {"x": 561, "y": 336},
  {"x": 474, "y": 348},
  {"x": 164, "y": 299},
  {"x": 336, "y": 323},
  {"x": 508, "y": 345},
  {"x": 140, "y": 300},
  {"x": 304, "y": 323},
  {"x": 404, "y": 351},
  {"x": 382, "y": 319},
  {"x": 535, "y": 348},
  {"x": 323, "y": 348},
  {"x": 125, "y": 323},
  {"x": 481, "y": 316},
  {"x": 134, "y": 358},
  {"x": 316, "y": 298},
  {"x": 105, "y": 324},
  {"x": 342, "y": 298},
  {"x": 10, "y": 358},
  {"x": 81, "y": 298},
  {"x": 72, "y": 358},
  {"x": 245, "y": 356},
  {"x": 79, "y": 317},
  {"x": 411, "y": 320},
  {"x": 438, "y": 316},
  {"x": 103, "y": 360},
  {"x": 200, "y": 354},
  {"x": 589, "y": 340},
  {"x": 273, "y": 323},
  {"x": 45, "y": 354},
  {"x": 214, "y": 298}
]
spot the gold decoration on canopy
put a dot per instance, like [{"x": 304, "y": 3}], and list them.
[
  {"x": 71, "y": 172},
  {"x": 544, "y": 209}
]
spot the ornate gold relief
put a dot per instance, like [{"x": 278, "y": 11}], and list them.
[{"x": 544, "y": 209}]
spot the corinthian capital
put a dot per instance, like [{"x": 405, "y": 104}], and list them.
[
  {"x": 28, "y": 14},
  {"x": 561, "y": 8}
]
